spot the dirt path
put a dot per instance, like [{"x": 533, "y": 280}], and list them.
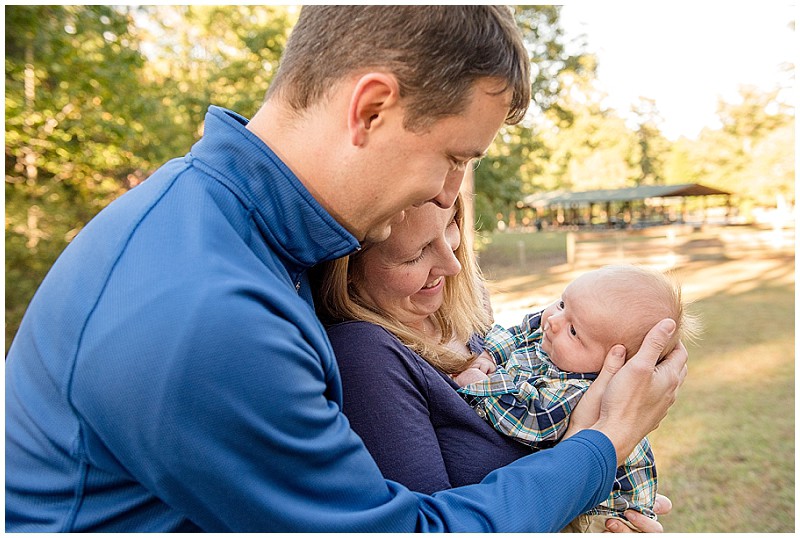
[{"x": 741, "y": 263}]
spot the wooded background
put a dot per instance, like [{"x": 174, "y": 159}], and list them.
[{"x": 98, "y": 97}]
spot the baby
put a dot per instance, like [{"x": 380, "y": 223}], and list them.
[{"x": 530, "y": 377}]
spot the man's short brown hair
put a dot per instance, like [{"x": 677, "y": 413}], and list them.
[{"x": 437, "y": 53}]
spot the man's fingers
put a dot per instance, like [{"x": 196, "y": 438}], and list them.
[
  {"x": 677, "y": 360},
  {"x": 662, "y": 505},
  {"x": 614, "y": 361},
  {"x": 588, "y": 409},
  {"x": 656, "y": 340}
]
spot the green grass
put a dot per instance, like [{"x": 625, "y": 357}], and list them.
[
  {"x": 508, "y": 253},
  {"x": 725, "y": 452}
]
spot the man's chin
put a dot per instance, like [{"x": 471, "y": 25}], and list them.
[
  {"x": 381, "y": 232},
  {"x": 377, "y": 234}
]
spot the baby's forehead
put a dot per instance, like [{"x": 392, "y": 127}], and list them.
[
  {"x": 609, "y": 303},
  {"x": 608, "y": 282}
]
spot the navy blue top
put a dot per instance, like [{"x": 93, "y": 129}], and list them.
[{"x": 409, "y": 415}]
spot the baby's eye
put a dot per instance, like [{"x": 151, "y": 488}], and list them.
[
  {"x": 572, "y": 331},
  {"x": 560, "y": 305}
]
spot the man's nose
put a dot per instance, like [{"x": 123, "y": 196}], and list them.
[{"x": 452, "y": 184}]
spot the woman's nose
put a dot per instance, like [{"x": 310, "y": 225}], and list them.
[
  {"x": 448, "y": 263},
  {"x": 453, "y": 266}
]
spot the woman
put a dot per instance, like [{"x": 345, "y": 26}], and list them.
[{"x": 404, "y": 316}]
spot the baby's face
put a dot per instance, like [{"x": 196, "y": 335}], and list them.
[{"x": 575, "y": 332}]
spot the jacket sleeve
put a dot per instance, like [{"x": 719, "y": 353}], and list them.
[{"x": 241, "y": 431}]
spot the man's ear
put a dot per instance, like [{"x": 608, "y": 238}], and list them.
[{"x": 372, "y": 96}]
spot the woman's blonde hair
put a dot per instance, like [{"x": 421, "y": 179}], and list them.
[{"x": 465, "y": 309}]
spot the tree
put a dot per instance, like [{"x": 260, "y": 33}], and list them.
[
  {"x": 72, "y": 130},
  {"x": 751, "y": 155},
  {"x": 585, "y": 144},
  {"x": 98, "y": 97},
  {"x": 220, "y": 55},
  {"x": 504, "y": 173},
  {"x": 653, "y": 147}
]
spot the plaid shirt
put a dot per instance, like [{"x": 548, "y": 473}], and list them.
[{"x": 530, "y": 399}]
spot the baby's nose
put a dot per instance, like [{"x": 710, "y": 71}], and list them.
[{"x": 554, "y": 323}]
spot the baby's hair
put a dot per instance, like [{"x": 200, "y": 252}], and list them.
[{"x": 639, "y": 298}]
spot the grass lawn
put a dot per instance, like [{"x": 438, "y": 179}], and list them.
[{"x": 725, "y": 453}]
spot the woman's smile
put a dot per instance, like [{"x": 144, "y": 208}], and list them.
[{"x": 432, "y": 284}]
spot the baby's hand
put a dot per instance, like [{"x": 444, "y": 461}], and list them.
[
  {"x": 481, "y": 367},
  {"x": 469, "y": 376},
  {"x": 484, "y": 363}
]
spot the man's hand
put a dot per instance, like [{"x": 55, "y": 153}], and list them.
[
  {"x": 587, "y": 411},
  {"x": 661, "y": 507},
  {"x": 637, "y": 398}
]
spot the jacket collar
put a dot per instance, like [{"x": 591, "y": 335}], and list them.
[{"x": 290, "y": 220}]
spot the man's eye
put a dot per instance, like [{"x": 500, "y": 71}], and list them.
[{"x": 459, "y": 165}]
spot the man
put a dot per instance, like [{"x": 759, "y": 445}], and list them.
[{"x": 170, "y": 374}]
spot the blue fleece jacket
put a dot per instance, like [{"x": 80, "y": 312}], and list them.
[{"x": 170, "y": 375}]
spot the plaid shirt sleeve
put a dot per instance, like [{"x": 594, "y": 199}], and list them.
[
  {"x": 635, "y": 485},
  {"x": 528, "y": 398},
  {"x": 501, "y": 343}
]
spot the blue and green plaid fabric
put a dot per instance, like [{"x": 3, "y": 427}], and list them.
[{"x": 530, "y": 399}]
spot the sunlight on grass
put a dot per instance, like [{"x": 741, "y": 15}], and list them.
[{"x": 725, "y": 454}]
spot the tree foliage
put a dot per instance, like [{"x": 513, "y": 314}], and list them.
[
  {"x": 98, "y": 97},
  {"x": 509, "y": 165},
  {"x": 72, "y": 130},
  {"x": 751, "y": 155}
]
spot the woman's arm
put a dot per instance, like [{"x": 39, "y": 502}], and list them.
[{"x": 386, "y": 401}]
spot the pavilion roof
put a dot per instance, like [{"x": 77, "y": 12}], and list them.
[{"x": 563, "y": 197}]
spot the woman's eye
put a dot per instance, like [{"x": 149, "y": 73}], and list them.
[{"x": 417, "y": 259}]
